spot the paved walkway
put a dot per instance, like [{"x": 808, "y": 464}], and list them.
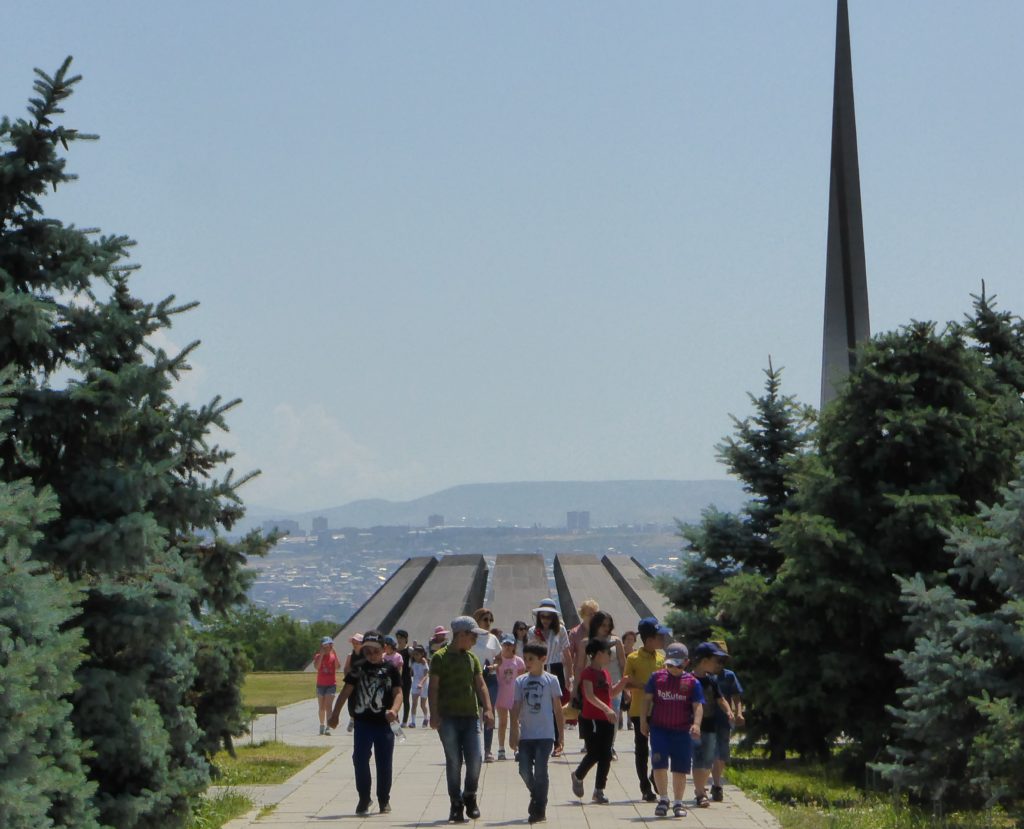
[{"x": 323, "y": 794}]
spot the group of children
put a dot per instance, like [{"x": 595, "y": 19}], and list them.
[{"x": 681, "y": 718}]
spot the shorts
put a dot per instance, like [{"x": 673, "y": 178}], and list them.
[
  {"x": 326, "y": 690},
  {"x": 722, "y": 736},
  {"x": 674, "y": 746},
  {"x": 706, "y": 751}
]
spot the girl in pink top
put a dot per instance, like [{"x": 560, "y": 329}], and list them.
[
  {"x": 509, "y": 667},
  {"x": 392, "y": 655},
  {"x": 326, "y": 663}
]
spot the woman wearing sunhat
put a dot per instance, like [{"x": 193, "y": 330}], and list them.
[
  {"x": 326, "y": 662},
  {"x": 548, "y": 629},
  {"x": 437, "y": 640}
]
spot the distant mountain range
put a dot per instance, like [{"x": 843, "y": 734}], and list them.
[{"x": 527, "y": 503}]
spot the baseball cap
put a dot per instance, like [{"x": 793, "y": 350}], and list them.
[
  {"x": 373, "y": 639},
  {"x": 676, "y": 654},
  {"x": 648, "y": 626},
  {"x": 356, "y": 637},
  {"x": 440, "y": 630},
  {"x": 390, "y": 640},
  {"x": 327, "y": 640},
  {"x": 706, "y": 649},
  {"x": 462, "y": 624},
  {"x": 508, "y": 639}
]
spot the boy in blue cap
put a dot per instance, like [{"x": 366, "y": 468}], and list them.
[
  {"x": 732, "y": 689},
  {"x": 705, "y": 751}
]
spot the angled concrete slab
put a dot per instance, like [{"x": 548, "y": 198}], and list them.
[
  {"x": 453, "y": 588},
  {"x": 517, "y": 584},
  {"x": 638, "y": 585},
  {"x": 580, "y": 577},
  {"x": 394, "y": 594}
]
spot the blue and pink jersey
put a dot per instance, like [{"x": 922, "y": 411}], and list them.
[{"x": 674, "y": 697}]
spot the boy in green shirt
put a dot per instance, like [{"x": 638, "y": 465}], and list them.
[{"x": 456, "y": 687}]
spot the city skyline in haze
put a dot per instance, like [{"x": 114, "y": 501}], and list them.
[{"x": 437, "y": 245}]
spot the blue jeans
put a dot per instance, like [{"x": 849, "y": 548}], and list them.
[
  {"x": 533, "y": 768},
  {"x": 376, "y": 739},
  {"x": 460, "y": 737},
  {"x": 491, "y": 680}
]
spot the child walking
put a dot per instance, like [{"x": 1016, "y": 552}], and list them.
[
  {"x": 597, "y": 719},
  {"x": 510, "y": 667},
  {"x": 419, "y": 688},
  {"x": 375, "y": 687},
  {"x": 327, "y": 663},
  {"x": 706, "y": 658},
  {"x": 672, "y": 712},
  {"x": 538, "y": 726}
]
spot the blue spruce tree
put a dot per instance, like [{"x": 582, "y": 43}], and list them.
[
  {"x": 141, "y": 509},
  {"x": 42, "y": 780}
]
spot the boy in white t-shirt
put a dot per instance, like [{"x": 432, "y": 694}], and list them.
[{"x": 537, "y": 726}]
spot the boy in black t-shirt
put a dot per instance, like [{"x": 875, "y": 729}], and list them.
[
  {"x": 403, "y": 648},
  {"x": 705, "y": 663},
  {"x": 375, "y": 687}
]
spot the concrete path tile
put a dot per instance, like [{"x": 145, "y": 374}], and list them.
[{"x": 325, "y": 796}]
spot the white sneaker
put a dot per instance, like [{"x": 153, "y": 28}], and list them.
[
  {"x": 327, "y": 732},
  {"x": 501, "y": 754}
]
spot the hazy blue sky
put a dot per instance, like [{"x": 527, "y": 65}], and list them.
[{"x": 439, "y": 243}]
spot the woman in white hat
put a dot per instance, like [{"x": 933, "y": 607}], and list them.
[{"x": 550, "y": 631}]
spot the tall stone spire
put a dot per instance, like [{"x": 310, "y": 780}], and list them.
[{"x": 846, "y": 286}]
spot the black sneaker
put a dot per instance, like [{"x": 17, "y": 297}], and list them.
[
  {"x": 472, "y": 810},
  {"x": 456, "y": 814},
  {"x": 385, "y": 806},
  {"x": 716, "y": 794},
  {"x": 538, "y": 816},
  {"x": 577, "y": 784},
  {"x": 363, "y": 807},
  {"x": 649, "y": 796}
]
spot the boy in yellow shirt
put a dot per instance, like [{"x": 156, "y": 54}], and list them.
[{"x": 640, "y": 664}]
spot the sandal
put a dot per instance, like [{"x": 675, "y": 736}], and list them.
[{"x": 702, "y": 801}]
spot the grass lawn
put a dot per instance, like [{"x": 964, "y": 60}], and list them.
[
  {"x": 214, "y": 812},
  {"x": 264, "y": 764},
  {"x": 812, "y": 796},
  {"x": 278, "y": 689}
]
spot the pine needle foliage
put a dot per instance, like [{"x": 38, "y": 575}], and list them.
[
  {"x": 923, "y": 434},
  {"x": 142, "y": 507},
  {"x": 759, "y": 453},
  {"x": 42, "y": 779}
]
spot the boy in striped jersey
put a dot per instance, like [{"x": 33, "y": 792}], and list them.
[{"x": 672, "y": 713}]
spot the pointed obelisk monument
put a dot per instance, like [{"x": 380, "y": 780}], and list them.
[{"x": 846, "y": 285}]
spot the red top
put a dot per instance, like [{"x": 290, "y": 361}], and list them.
[
  {"x": 325, "y": 672},
  {"x": 602, "y": 683}
]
